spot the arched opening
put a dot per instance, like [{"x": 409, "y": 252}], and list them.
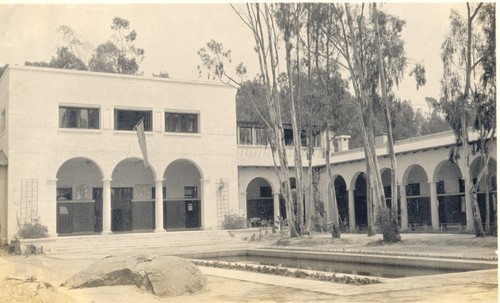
[
  {"x": 79, "y": 197},
  {"x": 132, "y": 203},
  {"x": 418, "y": 196},
  {"x": 360, "y": 205},
  {"x": 260, "y": 210},
  {"x": 182, "y": 204},
  {"x": 342, "y": 202},
  {"x": 487, "y": 184},
  {"x": 450, "y": 189}
]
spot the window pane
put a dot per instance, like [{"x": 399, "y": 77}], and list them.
[
  {"x": 128, "y": 119},
  {"x": 181, "y": 123},
  {"x": 260, "y": 136},
  {"x": 63, "y": 117},
  {"x": 83, "y": 119},
  {"x": 74, "y": 117},
  {"x": 93, "y": 118},
  {"x": 245, "y": 135},
  {"x": 413, "y": 189}
]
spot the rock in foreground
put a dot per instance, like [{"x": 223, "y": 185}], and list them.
[{"x": 163, "y": 276}]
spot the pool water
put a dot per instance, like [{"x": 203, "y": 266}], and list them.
[{"x": 373, "y": 270}]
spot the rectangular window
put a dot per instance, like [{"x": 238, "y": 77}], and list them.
[
  {"x": 260, "y": 136},
  {"x": 440, "y": 187},
  {"x": 77, "y": 117},
  {"x": 190, "y": 192},
  {"x": 128, "y": 119},
  {"x": 245, "y": 134},
  {"x": 64, "y": 194},
  {"x": 461, "y": 185},
  {"x": 413, "y": 189},
  {"x": 288, "y": 136},
  {"x": 266, "y": 192},
  {"x": 388, "y": 191},
  {"x": 181, "y": 123}
]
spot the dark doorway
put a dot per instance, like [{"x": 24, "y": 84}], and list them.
[
  {"x": 121, "y": 208},
  {"x": 342, "y": 202},
  {"x": 360, "y": 207},
  {"x": 193, "y": 214}
]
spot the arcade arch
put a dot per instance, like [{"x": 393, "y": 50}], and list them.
[
  {"x": 450, "y": 189},
  {"x": 342, "y": 196},
  {"x": 132, "y": 204},
  {"x": 182, "y": 203},
  {"x": 360, "y": 204},
  {"x": 417, "y": 195},
  {"x": 79, "y": 197},
  {"x": 259, "y": 198}
]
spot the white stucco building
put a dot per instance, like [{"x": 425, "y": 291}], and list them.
[{"x": 70, "y": 158}]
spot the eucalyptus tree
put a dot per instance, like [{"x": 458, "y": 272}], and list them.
[
  {"x": 74, "y": 43},
  {"x": 328, "y": 89},
  {"x": 366, "y": 45},
  {"x": 260, "y": 19},
  {"x": 469, "y": 92},
  {"x": 118, "y": 55}
]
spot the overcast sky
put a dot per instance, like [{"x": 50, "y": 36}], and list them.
[{"x": 171, "y": 35}]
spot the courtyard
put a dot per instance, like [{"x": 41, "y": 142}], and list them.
[{"x": 39, "y": 278}]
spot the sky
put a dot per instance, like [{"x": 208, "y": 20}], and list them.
[{"x": 171, "y": 34}]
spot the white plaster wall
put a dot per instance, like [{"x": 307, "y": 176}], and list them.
[
  {"x": 41, "y": 147},
  {"x": 4, "y": 99},
  {"x": 3, "y": 204}
]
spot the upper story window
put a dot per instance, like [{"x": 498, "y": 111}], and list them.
[
  {"x": 260, "y": 136},
  {"x": 245, "y": 135},
  {"x": 78, "y": 117},
  {"x": 126, "y": 119},
  {"x": 181, "y": 123}
]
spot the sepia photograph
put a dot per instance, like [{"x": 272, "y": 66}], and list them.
[{"x": 248, "y": 152}]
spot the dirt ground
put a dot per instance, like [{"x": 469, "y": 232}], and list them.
[{"x": 39, "y": 278}]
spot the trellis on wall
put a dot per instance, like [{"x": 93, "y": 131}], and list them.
[
  {"x": 222, "y": 198},
  {"x": 28, "y": 212}
]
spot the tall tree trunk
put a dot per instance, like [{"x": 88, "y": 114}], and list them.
[
  {"x": 478, "y": 225},
  {"x": 391, "y": 233},
  {"x": 364, "y": 115},
  {"x": 487, "y": 224},
  {"x": 268, "y": 62},
  {"x": 331, "y": 190},
  {"x": 295, "y": 128},
  {"x": 310, "y": 148}
]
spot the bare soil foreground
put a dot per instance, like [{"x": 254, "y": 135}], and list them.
[{"x": 39, "y": 278}]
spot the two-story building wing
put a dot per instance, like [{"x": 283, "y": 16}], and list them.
[{"x": 71, "y": 158}]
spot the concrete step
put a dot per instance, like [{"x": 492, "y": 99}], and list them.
[{"x": 132, "y": 241}]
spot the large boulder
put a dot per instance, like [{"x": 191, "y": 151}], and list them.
[
  {"x": 172, "y": 276},
  {"x": 163, "y": 276}
]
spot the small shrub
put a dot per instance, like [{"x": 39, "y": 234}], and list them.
[
  {"x": 234, "y": 221},
  {"x": 386, "y": 222},
  {"x": 33, "y": 231}
]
